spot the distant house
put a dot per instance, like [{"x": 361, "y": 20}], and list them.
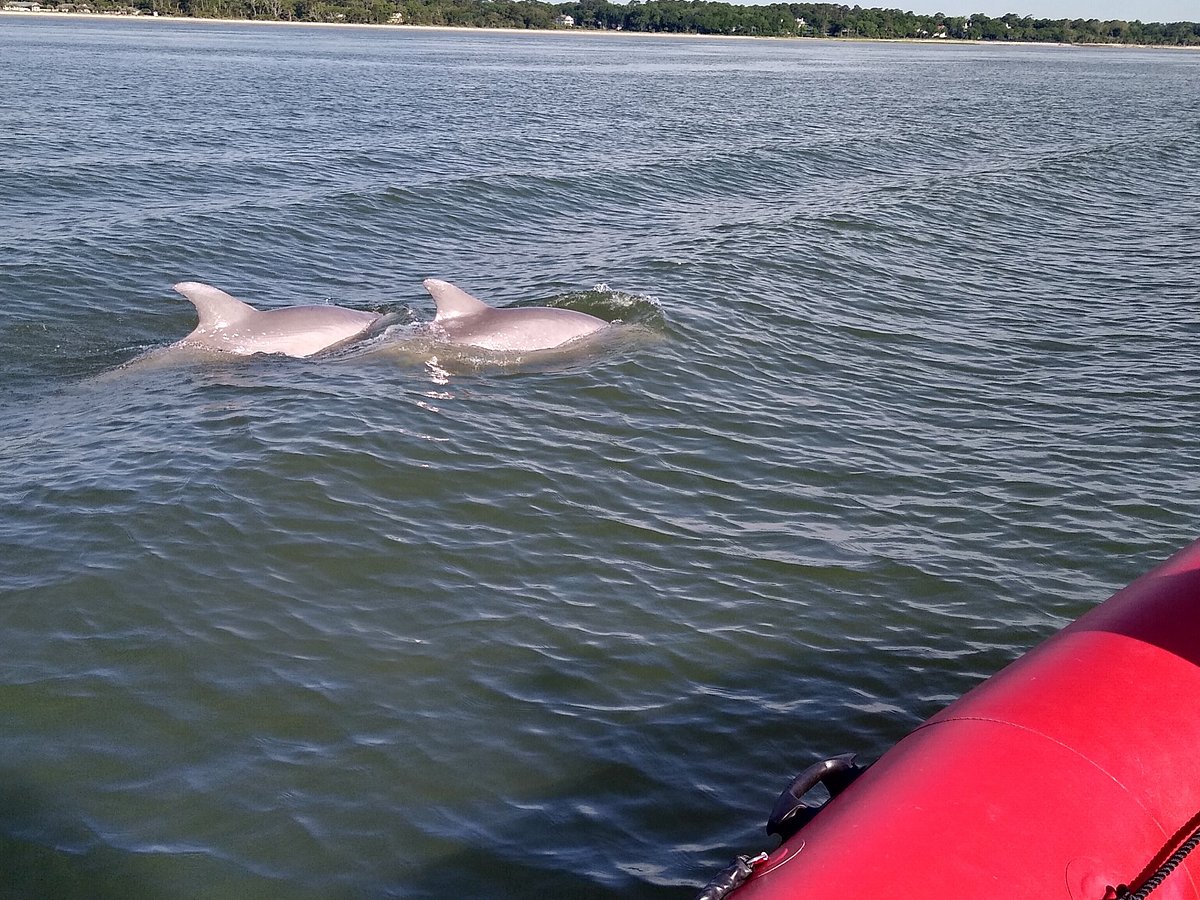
[
  {"x": 565, "y": 21},
  {"x": 22, "y": 7}
]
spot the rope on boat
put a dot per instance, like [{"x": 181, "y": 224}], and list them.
[{"x": 1160, "y": 874}]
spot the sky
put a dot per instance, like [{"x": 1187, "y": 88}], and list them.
[{"x": 1145, "y": 10}]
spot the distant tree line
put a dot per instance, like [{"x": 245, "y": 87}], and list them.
[{"x": 679, "y": 17}]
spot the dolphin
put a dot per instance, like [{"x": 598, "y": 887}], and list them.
[
  {"x": 466, "y": 320},
  {"x": 228, "y": 324}
]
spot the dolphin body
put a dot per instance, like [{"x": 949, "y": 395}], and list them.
[
  {"x": 228, "y": 324},
  {"x": 463, "y": 319}
]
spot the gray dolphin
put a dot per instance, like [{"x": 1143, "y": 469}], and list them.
[
  {"x": 466, "y": 320},
  {"x": 228, "y": 324}
]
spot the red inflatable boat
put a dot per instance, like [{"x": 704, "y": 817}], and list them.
[{"x": 1073, "y": 774}]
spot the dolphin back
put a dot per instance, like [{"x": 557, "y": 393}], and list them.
[
  {"x": 216, "y": 308},
  {"x": 452, "y": 302}
]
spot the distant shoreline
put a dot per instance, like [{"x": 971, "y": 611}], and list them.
[{"x": 458, "y": 29}]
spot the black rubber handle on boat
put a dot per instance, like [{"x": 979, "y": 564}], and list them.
[{"x": 791, "y": 813}]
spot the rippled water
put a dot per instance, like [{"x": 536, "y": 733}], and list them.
[{"x": 907, "y": 380}]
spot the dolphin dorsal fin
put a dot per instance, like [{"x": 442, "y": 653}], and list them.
[
  {"x": 217, "y": 309},
  {"x": 452, "y": 302}
]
